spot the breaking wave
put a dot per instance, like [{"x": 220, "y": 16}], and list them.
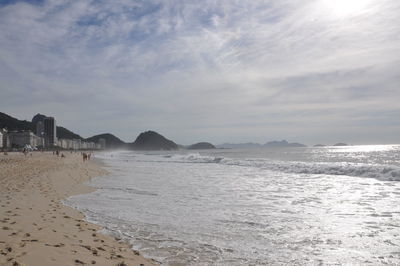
[{"x": 380, "y": 172}]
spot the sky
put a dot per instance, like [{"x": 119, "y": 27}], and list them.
[{"x": 309, "y": 71}]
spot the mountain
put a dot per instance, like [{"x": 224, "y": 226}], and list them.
[
  {"x": 248, "y": 145},
  {"x": 282, "y": 144},
  {"x": 112, "y": 142},
  {"x": 63, "y": 133},
  {"x": 12, "y": 123},
  {"x": 37, "y": 118},
  {"x": 151, "y": 140},
  {"x": 319, "y": 145},
  {"x": 201, "y": 146},
  {"x": 341, "y": 144}
]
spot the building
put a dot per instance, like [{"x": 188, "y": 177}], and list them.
[
  {"x": 40, "y": 129},
  {"x": 6, "y": 144},
  {"x": 102, "y": 143},
  {"x": 1, "y": 140},
  {"x": 50, "y": 131},
  {"x": 77, "y": 144},
  {"x": 23, "y": 138}
]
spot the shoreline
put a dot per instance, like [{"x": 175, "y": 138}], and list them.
[{"x": 36, "y": 228}]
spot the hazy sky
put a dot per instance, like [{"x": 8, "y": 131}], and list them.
[{"x": 311, "y": 71}]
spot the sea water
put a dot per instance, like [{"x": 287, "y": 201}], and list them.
[{"x": 296, "y": 206}]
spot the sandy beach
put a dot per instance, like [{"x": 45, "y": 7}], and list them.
[{"x": 37, "y": 229}]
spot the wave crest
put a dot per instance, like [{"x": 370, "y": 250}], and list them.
[{"x": 381, "y": 172}]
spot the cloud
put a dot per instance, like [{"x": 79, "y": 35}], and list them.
[{"x": 220, "y": 70}]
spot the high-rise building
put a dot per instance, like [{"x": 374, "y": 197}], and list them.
[
  {"x": 50, "y": 131},
  {"x": 40, "y": 128}
]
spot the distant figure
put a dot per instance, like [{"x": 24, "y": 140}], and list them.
[
  {"x": 84, "y": 156},
  {"x": 62, "y": 155},
  {"x": 57, "y": 153},
  {"x": 25, "y": 151}
]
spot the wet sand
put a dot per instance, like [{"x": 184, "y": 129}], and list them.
[{"x": 37, "y": 229}]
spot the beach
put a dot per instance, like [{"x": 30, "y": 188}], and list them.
[{"x": 37, "y": 229}]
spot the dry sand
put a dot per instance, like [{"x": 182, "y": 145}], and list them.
[{"x": 37, "y": 229}]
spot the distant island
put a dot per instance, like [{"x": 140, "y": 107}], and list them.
[
  {"x": 251, "y": 145},
  {"x": 319, "y": 145},
  {"x": 282, "y": 144},
  {"x": 341, "y": 144},
  {"x": 201, "y": 146}
]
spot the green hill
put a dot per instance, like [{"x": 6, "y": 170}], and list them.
[
  {"x": 112, "y": 142},
  {"x": 151, "y": 140},
  {"x": 12, "y": 123}
]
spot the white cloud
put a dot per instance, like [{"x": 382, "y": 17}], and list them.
[{"x": 234, "y": 70}]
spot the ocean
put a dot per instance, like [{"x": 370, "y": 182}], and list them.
[{"x": 288, "y": 206}]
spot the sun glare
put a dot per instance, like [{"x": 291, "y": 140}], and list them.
[{"x": 346, "y": 7}]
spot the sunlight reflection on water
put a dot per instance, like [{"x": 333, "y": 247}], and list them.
[{"x": 253, "y": 207}]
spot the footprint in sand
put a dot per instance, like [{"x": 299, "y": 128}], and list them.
[{"x": 79, "y": 262}]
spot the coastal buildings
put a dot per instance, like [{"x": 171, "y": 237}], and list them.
[
  {"x": 102, "y": 143},
  {"x": 22, "y": 139},
  {"x": 5, "y": 139},
  {"x": 43, "y": 135},
  {"x": 50, "y": 131},
  {"x": 77, "y": 144}
]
